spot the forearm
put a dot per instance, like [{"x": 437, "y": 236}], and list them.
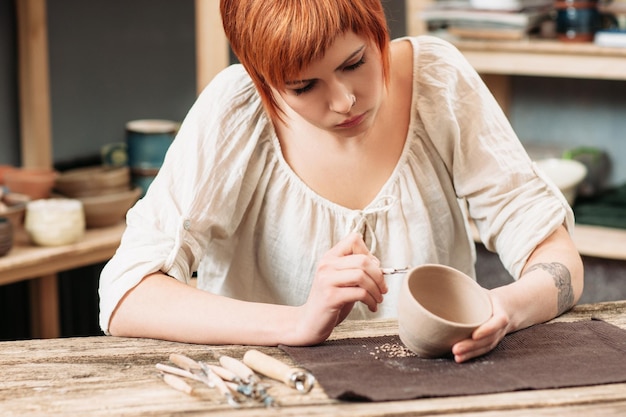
[
  {"x": 550, "y": 284},
  {"x": 161, "y": 307}
]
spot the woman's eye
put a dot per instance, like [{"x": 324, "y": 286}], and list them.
[
  {"x": 304, "y": 89},
  {"x": 356, "y": 65}
]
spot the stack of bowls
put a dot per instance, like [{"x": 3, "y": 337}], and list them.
[
  {"x": 6, "y": 236},
  {"x": 12, "y": 208},
  {"x": 105, "y": 192}
]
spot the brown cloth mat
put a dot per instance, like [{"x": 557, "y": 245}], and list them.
[{"x": 544, "y": 356}]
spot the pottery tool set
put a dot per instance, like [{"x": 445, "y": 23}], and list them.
[{"x": 238, "y": 381}]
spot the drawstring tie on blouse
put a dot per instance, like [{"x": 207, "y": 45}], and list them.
[{"x": 361, "y": 221}]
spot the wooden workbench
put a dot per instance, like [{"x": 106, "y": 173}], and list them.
[{"x": 110, "y": 376}]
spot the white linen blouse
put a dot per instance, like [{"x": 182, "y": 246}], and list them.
[{"x": 227, "y": 205}]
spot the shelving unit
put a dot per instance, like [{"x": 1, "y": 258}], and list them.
[
  {"x": 40, "y": 265},
  {"x": 498, "y": 61}
]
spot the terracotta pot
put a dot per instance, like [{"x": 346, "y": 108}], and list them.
[
  {"x": 34, "y": 182},
  {"x": 3, "y": 170},
  {"x": 439, "y": 306}
]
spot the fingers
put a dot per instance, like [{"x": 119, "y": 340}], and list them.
[
  {"x": 352, "y": 253},
  {"x": 484, "y": 339}
]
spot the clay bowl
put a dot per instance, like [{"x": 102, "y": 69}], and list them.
[
  {"x": 108, "y": 209},
  {"x": 438, "y": 307},
  {"x": 34, "y": 182},
  {"x": 567, "y": 174},
  {"x": 6, "y": 236},
  {"x": 92, "y": 181},
  {"x": 12, "y": 207},
  {"x": 3, "y": 170},
  {"x": 54, "y": 221}
]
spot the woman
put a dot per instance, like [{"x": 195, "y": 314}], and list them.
[{"x": 333, "y": 152}]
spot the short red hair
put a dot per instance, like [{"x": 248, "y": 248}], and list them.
[{"x": 276, "y": 40}]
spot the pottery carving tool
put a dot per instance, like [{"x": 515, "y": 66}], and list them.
[
  {"x": 191, "y": 366},
  {"x": 393, "y": 271},
  {"x": 177, "y": 383},
  {"x": 248, "y": 376},
  {"x": 204, "y": 375},
  {"x": 299, "y": 378}
]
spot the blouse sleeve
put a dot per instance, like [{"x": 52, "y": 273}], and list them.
[
  {"x": 514, "y": 206},
  {"x": 199, "y": 194}
]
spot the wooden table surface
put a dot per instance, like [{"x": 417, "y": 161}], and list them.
[{"x": 110, "y": 376}]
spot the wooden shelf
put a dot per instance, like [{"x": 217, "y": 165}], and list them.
[
  {"x": 595, "y": 241},
  {"x": 39, "y": 265},
  {"x": 545, "y": 58}
]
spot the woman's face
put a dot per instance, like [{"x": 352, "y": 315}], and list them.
[{"x": 324, "y": 93}]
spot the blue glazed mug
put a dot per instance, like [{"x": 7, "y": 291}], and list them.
[
  {"x": 579, "y": 20},
  {"x": 147, "y": 142}
]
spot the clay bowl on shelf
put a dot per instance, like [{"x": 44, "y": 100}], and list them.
[
  {"x": 3, "y": 170},
  {"x": 93, "y": 181},
  {"x": 12, "y": 207},
  {"x": 567, "y": 174},
  {"x": 6, "y": 236},
  {"x": 108, "y": 209},
  {"x": 34, "y": 182}
]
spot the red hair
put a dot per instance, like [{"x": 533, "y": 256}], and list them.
[{"x": 276, "y": 40}]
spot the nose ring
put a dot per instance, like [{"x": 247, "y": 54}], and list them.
[{"x": 353, "y": 98}]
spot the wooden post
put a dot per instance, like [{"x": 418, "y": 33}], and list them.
[
  {"x": 44, "y": 307},
  {"x": 211, "y": 43},
  {"x": 34, "y": 84}
]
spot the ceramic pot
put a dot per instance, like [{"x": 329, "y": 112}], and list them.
[
  {"x": 93, "y": 181},
  {"x": 3, "y": 170},
  {"x": 439, "y": 306},
  {"x": 147, "y": 143},
  {"x": 6, "y": 236},
  {"x": 36, "y": 183},
  {"x": 54, "y": 221},
  {"x": 579, "y": 20}
]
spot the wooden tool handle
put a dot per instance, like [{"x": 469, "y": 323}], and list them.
[
  {"x": 185, "y": 362},
  {"x": 268, "y": 366},
  {"x": 175, "y": 371},
  {"x": 177, "y": 383},
  {"x": 237, "y": 367},
  {"x": 224, "y": 373}
]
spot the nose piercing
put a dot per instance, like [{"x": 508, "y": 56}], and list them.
[{"x": 353, "y": 98}]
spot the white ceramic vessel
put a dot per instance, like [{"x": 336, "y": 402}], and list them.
[{"x": 55, "y": 221}]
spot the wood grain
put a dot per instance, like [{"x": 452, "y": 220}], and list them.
[{"x": 103, "y": 376}]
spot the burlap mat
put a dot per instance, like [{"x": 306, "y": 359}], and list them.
[{"x": 544, "y": 356}]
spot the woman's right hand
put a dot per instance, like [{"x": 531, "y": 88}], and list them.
[{"x": 346, "y": 274}]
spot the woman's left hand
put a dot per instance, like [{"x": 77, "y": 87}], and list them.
[{"x": 486, "y": 337}]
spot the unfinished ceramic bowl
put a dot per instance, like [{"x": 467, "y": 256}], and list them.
[
  {"x": 108, "y": 209},
  {"x": 438, "y": 307},
  {"x": 93, "y": 181},
  {"x": 54, "y": 221},
  {"x": 34, "y": 182}
]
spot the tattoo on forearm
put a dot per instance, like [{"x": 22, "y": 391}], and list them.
[{"x": 562, "y": 281}]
